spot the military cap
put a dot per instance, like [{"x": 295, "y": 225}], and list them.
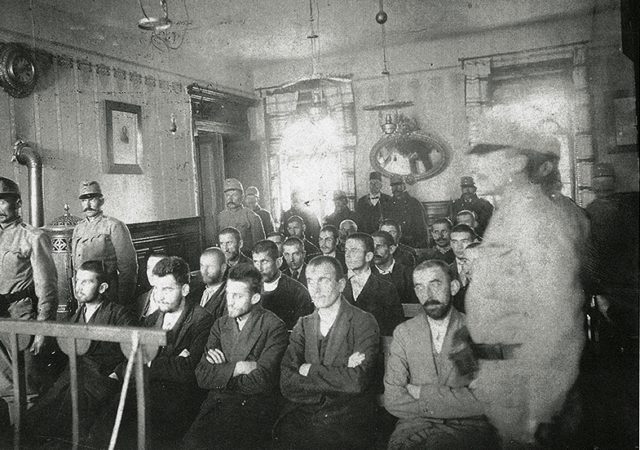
[
  {"x": 90, "y": 189},
  {"x": 375, "y": 176},
  {"x": 339, "y": 195},
  {"x": 231, "y": 184},
  {"x": 252, "y": 190},
  {"x": 467, "y": 181},
  {"x": 496, "y": 133},
  {"x": 603, "y": 170},
  {"x": 396, "y": 179},
  {"x": 8, "y": 188}
]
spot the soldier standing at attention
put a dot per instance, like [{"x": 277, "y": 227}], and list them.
[
  {"x": 471, "y": 202},
  {"x": 237, "y": 216},
  {"x": 28, "y": 277},
  {"x": 103, "y": 238}
]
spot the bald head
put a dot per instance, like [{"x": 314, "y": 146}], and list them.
[{"x": 213, "y": 265}]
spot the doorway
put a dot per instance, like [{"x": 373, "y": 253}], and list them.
[{"x": 210, "y": 157}]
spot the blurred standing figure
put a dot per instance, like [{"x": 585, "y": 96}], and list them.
[
  {"x": 247, "y": 222},
  {"x": 526, "y": 300},
  {"x": 28, "y": 277},
  {"x": 106, "y": 239},
  {"x": 299, "y": 207},
  {"x": 410, "y": 215},
  {"x": 372, "y": 208},
  {"x": 252, "y": 201},
  {"x": 341, "y": 211},
  {"x": 470, "y": 201}
]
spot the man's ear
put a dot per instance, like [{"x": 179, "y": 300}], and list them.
[
  {"x": 185, "y": 289},
  {"x": 240, "y": 244},
  {"x": 101, "y": 201},
  {"x": 368, "y": 257},
  {"x": 103, "y": 287},
  {"x": 546, "y": 168},
  {"x": 342, "y": 283},
  {"x": 455, "y": 287},
  {"x": 392, "y": 248},
  {"x": 279, "y": 261},
  {"x": 255, "y": 298}
]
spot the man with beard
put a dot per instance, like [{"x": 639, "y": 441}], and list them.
[
  {"x": 297, "y": 228},
  {"x": 230, "y": 243},
  {"x": 373, "y": 207},
  {"x": 327, "y": 372},
  {"x": 235, "y": 215},
  {"x": 367, "y": 291},
  {"x": 252, "y": 201},
  {"x": 441, "y": 233},
  {"x": 240, "y": 369},
  {"x": 145, "y": 303},
  {"x": 210, "y": 294},
  {"x": 341, "y": 211},
  {"x": 404, "y": 254},
  {"x": 104, "y": 238},
  {"x": 300, "y": 208},
  {"x": 328, "y": 243},
  {"x": 470, "y": 201},
  {"x": 423, "y": 386},
  {"x": 281, "y": 294},
  {"x": 294, "y": 254},
  {"x": 386, "y": 267}
]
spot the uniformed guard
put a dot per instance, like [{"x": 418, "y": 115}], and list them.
[
  {"x": 470, "y": 201},
  {"x": 28, "y": 277},
  {"x": 409, "y": 213},
  {"x": 235, "y": 215},
  {"x": 103, "y": 238}
]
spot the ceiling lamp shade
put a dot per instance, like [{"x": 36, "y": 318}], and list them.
[{"x": 155, "y": 23}]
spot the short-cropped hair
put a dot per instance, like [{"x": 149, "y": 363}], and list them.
[
  {"x": 464, "y": 228},
  {"x": 391, "y": 223},
  {"x": 268, "y": 247},
  {"x": 329, "y": 260},
  {"x": 248, "y": 274},
  {"x": 388, "y": 239},
  {"x": 173, "y": 265},
  {"x": 365, "y": 238},
  {"x": 232, "y": 231},
  {"x": 274, "y": 234},
  {"x": 331, "y": 229},
  {"x": 98, "y": 268},
  {"x": 295, "y": 219},
  {"x": 292, "y": 240},
  {"x": 444, "y": 220},
  {"x": 467, "y": 212},
  {"x": 431, "y": 263}
]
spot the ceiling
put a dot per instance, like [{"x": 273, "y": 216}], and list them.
[{"x": 260, "y": 32}]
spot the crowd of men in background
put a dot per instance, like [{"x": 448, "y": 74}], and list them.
[{"x": 280, "y": 341}]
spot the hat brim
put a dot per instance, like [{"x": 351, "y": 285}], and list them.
[{"x": 83, "y": 196}]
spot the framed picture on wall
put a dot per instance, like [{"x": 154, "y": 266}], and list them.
[
  {"x": 124, "y": 137},
  {"x": 624, "y": 117}
]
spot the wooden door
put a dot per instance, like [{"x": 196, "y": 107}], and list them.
[{"x": 211, "y": 173}]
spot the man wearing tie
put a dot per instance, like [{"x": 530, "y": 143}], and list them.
[
  {"x": 366, "y": 291},
  {"x": 294, "y": 255},
  {"x": 374, "y": 206}
]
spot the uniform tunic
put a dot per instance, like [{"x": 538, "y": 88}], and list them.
[
  {"x": 409, "y": 213},
  {"x": 246, "y": 222},
  {"x": 106, "y": 239},
  {"x": 26, "y": 261}
]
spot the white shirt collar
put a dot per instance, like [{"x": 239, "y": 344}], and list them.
[
  {"x": 272, "y": 286},
  {"x": 90, "y": 309},
  {"x": 389, "y": 269},
  {"x": 171, "y": 318},
  {"x": 439, "y": 331},
  {"x": 242, "y": 321}
]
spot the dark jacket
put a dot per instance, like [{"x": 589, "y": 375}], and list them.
[
  {"x": 302, "y": 274},
  {"x": 289, "y": 301},
  {"x": 338, "y": 400},
  {"x": 311, "y": 222},
  {"x": 405, "y": 255},
  {"x": 338, "y": 216},
  {"x": 370, "y": 216},
  {"x": 410, "y": 214},
  {"x": 380, "y": 298},
  {"x": 402, "y": 278},
  {"x": 265, "y": 216},
  {"x": 217, "y": 304},
  {"x": 239, "y": 411}
]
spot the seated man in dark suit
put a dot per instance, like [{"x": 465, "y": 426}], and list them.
[
  {"x": 461, "y": 236},
  {"x": 281, "y": 294},
  {"x": 240, "y": 368},
  {"x": 328, "y": 243},
  {"x": 403, "y": 254},
  {"x": 278, "y": 239},
  {"x": 297, "y": 228},
  {"x": 440, "y": 232},
  {"x": 294, "y": 254},
  {"x": 386, "y": 267},
  {"x": 328, "y": 368},
  {"x": 210, "y": 294},
  {"x": 174, "y": 397},
  {"x": 424, "y": 388},
  {"x": 230, "y": 241},
  {"x": 367, "y": 291},
  {"x": 144, "y": 303},
  {"x": 51, "y": 414}
]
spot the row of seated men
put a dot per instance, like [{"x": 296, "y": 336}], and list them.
[{"x": 255, "y": 359}]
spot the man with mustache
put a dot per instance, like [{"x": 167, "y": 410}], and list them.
[
  {"x": 235, "y": 215},
  {"x": 441, "y": 233},
  {"x": 106, "y": 239},
  {"x": 328, "y": 243},
  {"x": 470, "y": 201},
  {"x": 386, "y": 267},
  {"x": 28, "y": 277},
  {"x": 230, "y": 242},
  {"x": 424, "y": 388}
]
